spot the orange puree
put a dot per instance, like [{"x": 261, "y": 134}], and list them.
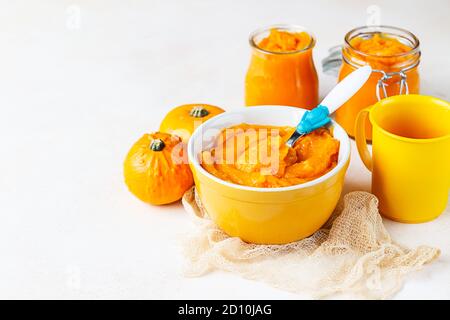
[
  {"x": 382, "y": 52},
  {"x": 281, "y": 70},
  {"x": 282, "y": 41},
  {"x": 389, "y": 49},
  {"x": 257, "y": 156},
  {"x": 379, "y": 45}
]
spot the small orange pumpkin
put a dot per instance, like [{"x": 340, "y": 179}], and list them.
[
  {"x": 183, "y": 120},
  {"x": 156, "y": 169}
]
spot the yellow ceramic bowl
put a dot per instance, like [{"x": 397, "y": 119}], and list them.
[{"x": 266, "y": 215}]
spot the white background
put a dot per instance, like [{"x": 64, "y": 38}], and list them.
[{"x": 80, "y": 81}]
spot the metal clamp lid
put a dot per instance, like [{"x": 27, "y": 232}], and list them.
[{"x": 381, "y": 84}]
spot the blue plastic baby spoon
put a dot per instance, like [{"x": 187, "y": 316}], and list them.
[{"x": 319, "y": 116}]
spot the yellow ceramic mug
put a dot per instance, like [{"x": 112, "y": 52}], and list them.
[{"x": 410, "y": 160}]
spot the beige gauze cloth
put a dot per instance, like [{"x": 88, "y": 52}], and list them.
[{"x": 352, "y": 254}]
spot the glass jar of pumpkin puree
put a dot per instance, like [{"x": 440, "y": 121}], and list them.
[
  {"x": 394, "y": 55},
  {"x": 281, "y": 70}
]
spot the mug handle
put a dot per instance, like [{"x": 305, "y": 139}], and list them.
[{"x": 360, "y": 138}]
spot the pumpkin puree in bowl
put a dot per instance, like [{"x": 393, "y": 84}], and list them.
[{"x": 257, "y": 156}]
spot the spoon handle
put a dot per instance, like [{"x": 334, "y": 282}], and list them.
[{"x": 345, "y": 89}]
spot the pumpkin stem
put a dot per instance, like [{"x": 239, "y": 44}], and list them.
[
  {"x": 198, "y": 112},
  {"x": 157, "y": 145}
]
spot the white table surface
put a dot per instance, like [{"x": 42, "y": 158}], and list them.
[{"x": 82, "y": 80}]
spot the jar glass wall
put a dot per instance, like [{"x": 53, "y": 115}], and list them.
[
  {"x": 281, "y": 78},
  {"x": 395, "y": 72}
]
